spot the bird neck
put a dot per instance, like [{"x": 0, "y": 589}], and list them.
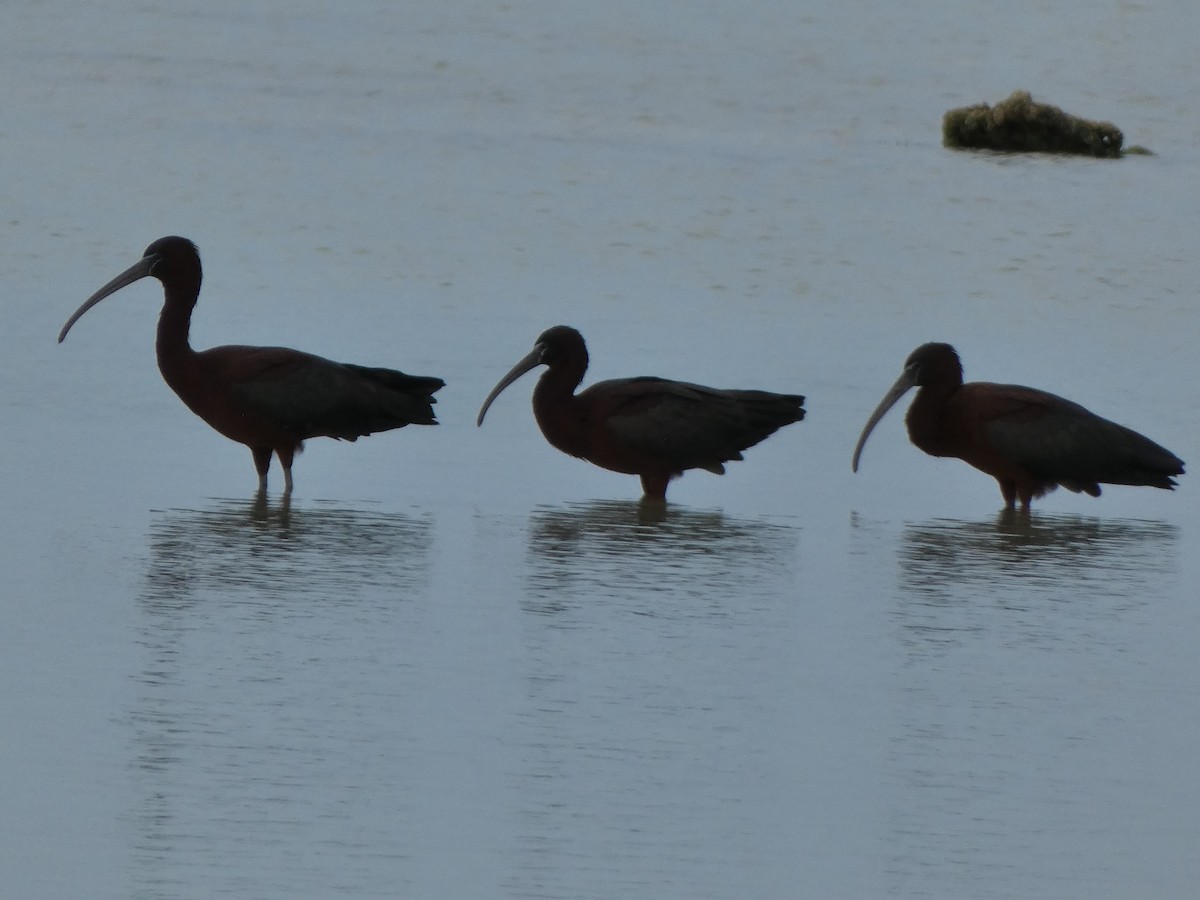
[
  {"x": 558, "y": 382},
  {"x": 925, "y": 415},
  {"x": 558, "y": 410},
  {"x": 173, "y": 349}
]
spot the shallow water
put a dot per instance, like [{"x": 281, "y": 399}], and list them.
[{"x": 460, "y": 664}]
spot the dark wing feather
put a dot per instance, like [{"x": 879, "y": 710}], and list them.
[
  {"x": 693, "y": 426},
  {"x": 310, "y": 396},
  {"x": 1060, "y": 441}
]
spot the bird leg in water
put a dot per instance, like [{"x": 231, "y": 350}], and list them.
[
  {"x": 262, "y": 463},
  {"x": 286, "y": 455},
  {"x": 655, "y": 487}
]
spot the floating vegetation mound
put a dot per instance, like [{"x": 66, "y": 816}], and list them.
[{"x": 1021, "y": 125}]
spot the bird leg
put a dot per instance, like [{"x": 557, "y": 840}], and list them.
[
  {"x": 262, "y": 463},
  {"x": 1009, "y": 490},
  {"x": 655, "y": 487},
  {"x": 286, "y": 455},
  {"x": 1013, "y": 492}
]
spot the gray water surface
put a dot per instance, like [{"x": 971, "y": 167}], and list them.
[{"x": 459, "y": 664}]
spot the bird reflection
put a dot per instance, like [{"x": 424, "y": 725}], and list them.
[
  {"x": 634, "y": 549},
  {"x": 1018, "y": 561},
  {"x": 1028, "y": 547},
  {"x": 277, "y": 550},
  {"x": 267, "y": 584},
  {"x": 1006, "y": 628}
]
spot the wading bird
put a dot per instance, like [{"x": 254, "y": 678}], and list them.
[
  {"x": 269, "y": 398},
  {"x": 1028, "y": 440},
  {"x": 650, "y": 427}
]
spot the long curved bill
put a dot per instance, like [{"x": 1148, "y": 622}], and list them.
[
  {"x": 530, "y": 360},
  {"x": 906, "y": 380},
  {"x": 136, "y": 272}
]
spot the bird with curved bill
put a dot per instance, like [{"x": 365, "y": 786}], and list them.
[
  {"x": 271, "y": 399},
  {"x": 649, "y": 427},
  {"x": 1030, "y": 441}
]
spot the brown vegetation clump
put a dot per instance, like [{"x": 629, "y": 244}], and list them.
[{"x": 1019, "y": 124}]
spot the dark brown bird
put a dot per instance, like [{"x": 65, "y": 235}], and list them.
[
  {"x": 650, "y": 427},
  {"x": 269, "y": 398},
  {"x": 1028, "y": 440}
]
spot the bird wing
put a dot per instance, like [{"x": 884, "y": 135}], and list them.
[
  {"x": 310, "y": 396},
  {"x": 1061, "y": 441},
  {"x": 691, "y": 425}
]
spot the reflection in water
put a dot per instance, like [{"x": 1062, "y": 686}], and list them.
[
  {"x": 254, "y": 617},
  {"x": 627, "y": 549},
  {"x": 1014, "y": 639},
  {"x": 649, "y": 656},
  {"x": 1021, "y": 561},
  {"x": 275, "y": 551}
]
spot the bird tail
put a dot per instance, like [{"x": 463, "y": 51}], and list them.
[
  {"x": 766, "y": 413},
  {"x": 774, "y": 409},
  {"x": 414, "y": 385}
]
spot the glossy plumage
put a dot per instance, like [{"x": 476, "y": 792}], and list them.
[
  {"x": 1030, "y": 441},
  {"x": 271, "y": 399},
  {"x": 650, "y": 427}
]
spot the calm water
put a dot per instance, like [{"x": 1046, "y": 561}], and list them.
[{"x": 460, "y": 664}]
